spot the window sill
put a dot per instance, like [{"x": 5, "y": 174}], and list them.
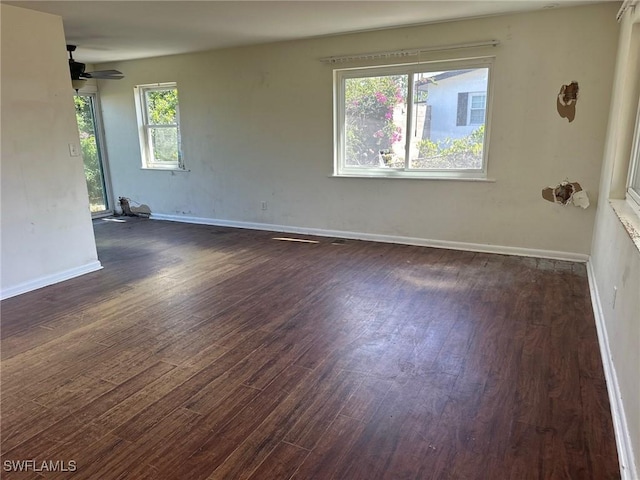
[
  {"x": 629, "y": 218},
  {"x": 413, "y": 177},
  {"x": 165, "y": 169}
]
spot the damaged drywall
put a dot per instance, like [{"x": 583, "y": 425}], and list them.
[
  {"x": 567, "y": 99},
  {"x": 566, "y": 193}
]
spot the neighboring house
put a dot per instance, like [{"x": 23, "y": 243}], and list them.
[
  {"x": 447, "y": 105},
  {"x": 455, "y": 103}
]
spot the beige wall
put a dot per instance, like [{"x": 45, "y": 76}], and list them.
[
  {"x": 257, "y": 126},
  {"x": 615, "y": 259},
  {"x": 47, "y": 234}
]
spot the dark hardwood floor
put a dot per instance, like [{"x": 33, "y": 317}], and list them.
[{"x": 204, "y": 352}]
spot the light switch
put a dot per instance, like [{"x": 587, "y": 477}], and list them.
[{"x": 74, "y": 151}]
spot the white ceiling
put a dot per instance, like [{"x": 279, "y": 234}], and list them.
[{"x": 121, "y": 30}]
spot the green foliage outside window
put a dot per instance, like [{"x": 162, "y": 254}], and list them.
[
  {"x": 162, "y": 106},
  {"x": 463, "y": 153},
  {"x": 89, "y": 146},
  {"x": 162, "y": 109}
]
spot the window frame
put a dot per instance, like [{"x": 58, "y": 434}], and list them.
[
  {"x": 92, "y": 92},
  {"x": 144, "y": 127},
  {"x": 339, "y": 77},
  {"x": 633, "y": 191}
]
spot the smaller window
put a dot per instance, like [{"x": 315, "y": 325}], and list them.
[
  {"x": 159, "y": 126},
  {"x": 477, "y": 107}
]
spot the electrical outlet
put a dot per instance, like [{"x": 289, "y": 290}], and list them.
[
  {"x": 74, "y": 151},
  {"x": 263, "y": 205}
]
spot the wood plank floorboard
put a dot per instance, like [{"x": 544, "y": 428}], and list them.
[{"x": 204, "y": 352}]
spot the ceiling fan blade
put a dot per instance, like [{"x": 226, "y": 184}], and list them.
[{"x": 105, "y": 74}]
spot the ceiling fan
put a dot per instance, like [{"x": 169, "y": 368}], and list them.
[{"x": 79, "y": 76}]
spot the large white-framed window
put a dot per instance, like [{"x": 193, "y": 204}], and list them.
[
  {"x": 158, "y": 115},
  {"x": 633, "y": 180},
  {"x": 420, "y": 120}
]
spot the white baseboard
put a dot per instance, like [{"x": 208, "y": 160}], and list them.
[
  {"x": 628, "y": 469},
  {"x": 373, "y": 237},
  {"x": 49, "y": 280}
]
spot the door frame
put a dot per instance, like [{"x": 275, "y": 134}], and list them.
[{"x": 92, "y": 90}]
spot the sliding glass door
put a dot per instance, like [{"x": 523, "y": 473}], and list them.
[{"x": 91, "y": 145}]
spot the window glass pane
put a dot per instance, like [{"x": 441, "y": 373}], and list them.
[
  {"x": 477, "y": 101},
  {"x": 162, "y": 106},
  {"x": 635, "y": 180},
  {"x": 164, "y": 144},
  {"x": 375, "y": 121},
  {"x": 476, "y": 117},
  {"x": 447, "y": 131},
  {"x": 91, "y": 155}
]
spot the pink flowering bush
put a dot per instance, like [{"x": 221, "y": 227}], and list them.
[{"x": 369, "y": 105}]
